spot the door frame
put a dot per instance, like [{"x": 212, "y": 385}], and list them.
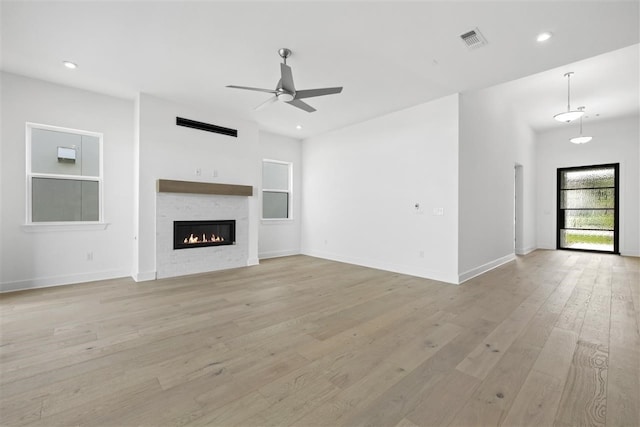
[{"x": 616, "y": 207}]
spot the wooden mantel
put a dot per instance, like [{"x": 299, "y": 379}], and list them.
[{"x": 171, "y": 186}]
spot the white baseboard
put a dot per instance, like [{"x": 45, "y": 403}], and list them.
[
  {"x": 278, "y": 254},
  {"x": 253, "y": 261},
  {"x": 623, "y": 252},
  {"x": 470, "y": 274},
  {"x": 630, "y": 253},
  {"x": 46, "y": 282},
  {"x": 548, "y": 246},
  {"x": 525, "y": 251},
  {"x": 396, "y": 268},
  {"x": 144, "y": 276}
]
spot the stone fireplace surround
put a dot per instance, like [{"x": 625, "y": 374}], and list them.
[{"x": 184, "y": 201}]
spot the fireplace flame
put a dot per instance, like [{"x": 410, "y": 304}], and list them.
[{"x": 202, "y": 239}]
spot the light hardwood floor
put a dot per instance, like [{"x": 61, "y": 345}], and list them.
[{"x": 549, "y": 339}]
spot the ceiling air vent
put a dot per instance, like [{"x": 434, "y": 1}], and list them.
[{"x": 473, "y": 39}]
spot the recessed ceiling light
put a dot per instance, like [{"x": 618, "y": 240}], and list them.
[
  {"x": 70, "y": 65},
  {"x": 543, "y": 37},
  {"x": 298, "y": 127}
]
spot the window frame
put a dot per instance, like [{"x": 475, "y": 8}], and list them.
[
  {"x": 289, "y": 191},
  {"x": 29, "y": 127},
  {"x": 560, "y": 221}
]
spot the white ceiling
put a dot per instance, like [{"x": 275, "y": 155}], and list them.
[{"x": 387, "y": 55}]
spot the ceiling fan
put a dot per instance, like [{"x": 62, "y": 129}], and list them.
[{"x": 285, "y": 90}]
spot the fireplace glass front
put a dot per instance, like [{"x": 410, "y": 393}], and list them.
[{"x": 197, "y": 234}]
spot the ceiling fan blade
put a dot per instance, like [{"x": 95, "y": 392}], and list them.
[
  {"x": 266, "y": 103},
  {"x": 302, "y": 105},
  {"x": 310, "y": 93},
  {"x": 286, "y": 82},
  {"x": 257, "y": 89}
]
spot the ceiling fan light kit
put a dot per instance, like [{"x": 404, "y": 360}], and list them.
[
  {"x": 285, "y": 96},
  {"x": 285, "y": 90}
]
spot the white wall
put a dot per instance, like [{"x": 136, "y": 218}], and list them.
[
  {"x": 44, "y": 258},
  {"x": 168, "y": 151},
  {"x": 525, "y": 157},
  {"x": 614, "y": 141},
  {"x": 281, "y": 238},
  {"x": 360, "y": 185},
  {"x": 492, "y": 141}
]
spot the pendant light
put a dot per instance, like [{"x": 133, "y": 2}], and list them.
[
  {"x": 581, "y": 139},
  {"x": 568, "y": 115}
]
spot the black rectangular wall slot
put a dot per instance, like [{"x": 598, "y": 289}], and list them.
[{"x": 180, "y": 121}]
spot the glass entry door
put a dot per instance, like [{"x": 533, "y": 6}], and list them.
[{"x": 588, "y": 208}]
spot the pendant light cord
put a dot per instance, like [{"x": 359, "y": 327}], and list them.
[
  {"x": 568, "y": 91},
  {"x": 580, "y": 125}
]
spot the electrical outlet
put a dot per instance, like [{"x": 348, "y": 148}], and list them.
[
  {"x": 421, "y": 254},
  {"x": 198, "y": 172},
  {"x": 215, "y": 173},
  {"x": 438, "y": 211},
  {"x": 89, "y": 256}
]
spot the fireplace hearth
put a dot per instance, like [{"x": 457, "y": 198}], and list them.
[{"x": 198, "y": 234}]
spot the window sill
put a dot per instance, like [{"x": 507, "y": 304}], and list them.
[{"x": 64, "y": 226}]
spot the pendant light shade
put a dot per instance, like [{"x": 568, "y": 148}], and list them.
[
  {"x": 581, "y": 139},
  {"x": 568, "y": 115}
]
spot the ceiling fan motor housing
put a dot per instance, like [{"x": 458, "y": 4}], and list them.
[{"x": 284, "y": 53}]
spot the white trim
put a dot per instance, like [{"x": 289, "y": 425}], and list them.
[
  {"x": 630, "y": 253},
  {"x": 470, "y": 274},
  {"x": 63, "y": 129},
  {"x": 29, "y": 126},
  {"x": 525, "y": 251},
  {"x": 36, "y": 227},
  {"x": 278, "y": 254},
  {"x": 253, "y": 261},
  {"x": 144, "y": 276},
  {"x": 386, "y": 266},
  {"x": 69, "y": 177},
  {"x": 289, "y": 191},
  {"x": 46, "y": 282}
]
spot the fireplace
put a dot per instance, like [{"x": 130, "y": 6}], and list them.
[{"x": 198, "y": 234}]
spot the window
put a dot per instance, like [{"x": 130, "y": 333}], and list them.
[
  {"x": 276, "y": 189},
  {"x": 64, "y": 175},
  {"x": 588, "y": 208}
]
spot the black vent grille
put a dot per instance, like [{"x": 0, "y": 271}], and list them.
[{"x": 181, "y": 121}]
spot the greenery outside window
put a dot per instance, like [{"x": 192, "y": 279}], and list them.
[
  {"x": 588, "y": 206},
  {"x": 64, "y": 175},
  {"x": 276, "y": 190}
]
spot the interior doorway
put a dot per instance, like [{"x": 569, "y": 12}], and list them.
[
  {"x": 518, "y": 210},
  {"x": 588, "y": 201}
]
